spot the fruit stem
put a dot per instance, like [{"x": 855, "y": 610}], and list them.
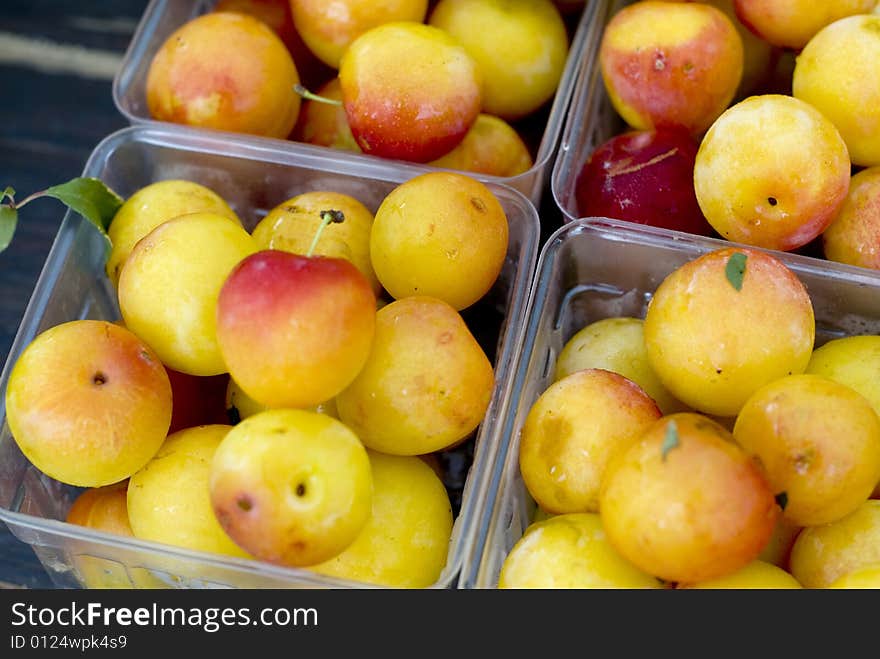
[
  {"x": 9, "y": 194},
  {"x": 306, "y": 94},
  {"x": 327, "y": 217},
  {"x": 29, "y": 198}
]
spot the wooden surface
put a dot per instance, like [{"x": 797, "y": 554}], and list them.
[{"x": 56, "y": 64}]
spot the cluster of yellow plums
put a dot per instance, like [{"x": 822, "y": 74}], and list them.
[
  {"x": 276, "y": 388},
  {"x": 710, "y": 444}
]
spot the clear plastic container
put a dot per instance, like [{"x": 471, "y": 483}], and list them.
[
  {"x": 543, "y": 128},
  {"x": 596, "y": 268},
  {"x": 253, "y": 176}
]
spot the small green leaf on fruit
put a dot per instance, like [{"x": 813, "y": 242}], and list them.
[
  {"x": 736, "y": 270},
  {"x": 670, "y": 441},
  {"x": 8, "y": 192},
  {"x": 8, "y": 221},
  {"x": 782, "y": 499}
]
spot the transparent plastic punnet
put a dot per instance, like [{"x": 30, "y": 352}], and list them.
[
  {"x": 596, "y": 268},
  {"x": 541, "y": 130},
  {"x": 253, "y": 178}
]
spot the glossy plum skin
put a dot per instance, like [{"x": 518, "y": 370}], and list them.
[
  {"x": 670, "y": 63},
  {"x": 295, "y": 330},
  {"x": 225, "y": 71},
  {"x": 643, "y": 176},
  {"x": 88, "y": 402},
  {"x": 410, "y": 91}
]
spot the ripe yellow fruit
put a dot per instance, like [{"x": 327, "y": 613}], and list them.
[
  {"x": 491, "y": 146},
  {"x": 853, "y": 361},
  {"x": 292, "y": 487},
  {"x": 427, "y": 382},
  {"x": 328, "y": 28},
  {"x": 168, "y": 498},
  {"x": 520, "y": 47},
  {"x": 152, "y": 205},
  {"x": 106, "y": 509},
  {"x": 226, "y": 71},
  {"x": 825, "y": 464},
  {"x": 685, "y": 503},
  {"x": 574, "y": 430},
  {"x": 102, "y": 508},
  {"x": 724, "y": 324},
  {"x": 616, "y": 344},
  {"x": 441, "y": 234},
  {"x": 772, "y": 171},
  {"x": 670, "y": 63},
  {"x": 823, "y": 554},
  {"x": 406, "y": 539},
  {"x": 570, "y": 551},
  {"x": 755, "y": 575},
  {"x": 851, "y": 236},
  {"x": 88, "y": 402},
  {"x": 838, "y": 73},
  {"x": 169, "y": 286},
  {"x": 866, "y": 578}
]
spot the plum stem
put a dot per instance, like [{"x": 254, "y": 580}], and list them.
[
  {"x": 309, "y": 96},
  {"x": 327, "y": 217},
  {"x": 9, "y": 194},
  {"x": 26, "y": 200}
]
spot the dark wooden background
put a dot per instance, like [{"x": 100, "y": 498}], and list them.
[{"x": 56, "y": 106}]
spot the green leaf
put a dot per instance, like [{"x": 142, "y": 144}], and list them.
[
  {"x": 736, "y": 270},
  {"x": 8, "y": 220},
  {"x": 91, "y": 198},
  {"x": 782, "y": 499},
  {"x": 670, "y": 441},
  {"x": 8, "y": 192}
]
